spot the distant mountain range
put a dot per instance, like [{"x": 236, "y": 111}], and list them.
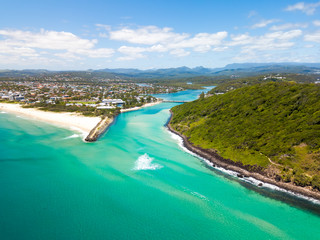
[{"x": 239, "y": 69}]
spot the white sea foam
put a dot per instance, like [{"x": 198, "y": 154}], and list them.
[
  {"x": 73, "y": 136},
  {"x": 3, "y": 112},
  {"x": 274, "y": 187},
  {"x": 199, "y": 196},
  {"x": 144, "y": 162},
  {"x": 22, "y": 117},
  {"x": 180, "y": 143},
  {"x": 250, "y": 180},
  {"x": 83, "y": 134},
  {"x": 196, "y": 194}
]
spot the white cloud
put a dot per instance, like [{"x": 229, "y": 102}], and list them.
[
  {"x": 158, "y": 48},
  {"x": 180, "y": 52},
  {"x": 270, "y": 41},
  {"x": 313, "y": 37},
  {"x": 131, "y": 53},
  {"x": 287, "y": 26},
  {"x": 31, "y": 44},
  {"x": 241, "y": 39},
  {"x": 129, "y": 57},
  {"x": 202, "y": 48},
  {"x": 103, "y": 26},
  {"x": 284, "y": 35},
  {"x": 103, "y": 35},
  {"x": 307, "y": 8},
  {"x": 220, "y": 49},
  {"x": 274, "y": 57},
  {"x": 68, "y": 56},
  {"x": 95, "y": 53},
  {"x": 164, "y": 40},
  {"x": 131, "y": 50},
  {"x": 316, "y": 23},
  {"x": 148, "y": 35},
  {"x": 15, "y": 50},
  {"x": 263, "y": 23},
  {"x": 201, "y": 42},
  {"x": 47, "y": 40}
]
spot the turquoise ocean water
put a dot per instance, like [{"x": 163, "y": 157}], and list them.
[{"x": 134, "y": 183}]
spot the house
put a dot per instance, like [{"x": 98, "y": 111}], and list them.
[
  {"x": 55, "y": 98},
  {"x": 91, "y": 105},
  {"x": 19, "y": 98},
  {"x": 5, "y": 97},
  {"x": 114, "y": 102}
]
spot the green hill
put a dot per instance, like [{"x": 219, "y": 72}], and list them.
[{"x": 275, "y": 126}]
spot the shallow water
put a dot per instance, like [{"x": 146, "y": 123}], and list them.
[{"x": 134, "y": 183}]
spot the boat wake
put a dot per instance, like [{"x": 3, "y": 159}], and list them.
[{"x": 144, "y": 162}]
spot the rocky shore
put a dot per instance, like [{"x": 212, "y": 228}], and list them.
[
  {"x": 99, "y": 129},
  {"x": 244, "y": 171}
]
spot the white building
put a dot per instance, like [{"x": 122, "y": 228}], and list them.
[{"x": 113, "y": 102}]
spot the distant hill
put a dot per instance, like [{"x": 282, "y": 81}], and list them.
[
  {"x": 275, "y": 126},
  {"x": 240, "y": 69},
  {"x": 235, "y": 70},
  {"x": 253, "y": 65},
  {"x": 22, "y": 73}
]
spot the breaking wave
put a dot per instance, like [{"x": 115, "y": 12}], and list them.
[
  {"x": 73, "y": 136},
  {"x": 144, "y": 162},
  {"x": 82, "y": 134}
]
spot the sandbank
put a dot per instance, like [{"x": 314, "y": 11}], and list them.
[{"x": 68, "y": 120}]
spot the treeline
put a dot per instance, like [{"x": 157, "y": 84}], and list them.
[
  {"x": 84, "y": 110},
  {"x": 229, "y": 84},
  {"x": 279, "y": 121}
]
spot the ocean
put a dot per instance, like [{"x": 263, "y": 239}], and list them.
[{"x": 136, "y": 182}]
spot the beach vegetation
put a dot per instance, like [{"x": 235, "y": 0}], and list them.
[{"x": 273, "y": 123}]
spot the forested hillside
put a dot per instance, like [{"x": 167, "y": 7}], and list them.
[{"x": 270, "y": 125}]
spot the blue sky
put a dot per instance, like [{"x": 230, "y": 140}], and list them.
[{"x": 79, "y": 35}]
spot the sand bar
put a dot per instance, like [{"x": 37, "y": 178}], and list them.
[{"x": 62, "y": 119}]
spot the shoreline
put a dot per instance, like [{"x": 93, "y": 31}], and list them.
[
  {"x": 67, "y": 120},
  {"x": 99, "y": 129},
  {"x": 90, "y": 127},
  {"x": 229, "y": 165},
  {"x": 143, "y": 106}
]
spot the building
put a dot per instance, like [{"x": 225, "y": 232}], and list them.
[{"x": 114, "y": 102}]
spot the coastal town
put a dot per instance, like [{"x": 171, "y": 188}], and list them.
[
  {"x": 94, "y": 97},
  {"x": 89, "y": 104}
]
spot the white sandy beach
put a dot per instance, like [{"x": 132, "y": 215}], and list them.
[
  {"x": 145, "y": 105},
  {"x": 67, "y": 120}
]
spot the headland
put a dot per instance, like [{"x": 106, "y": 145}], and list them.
[{"x": 241, "y": 171}]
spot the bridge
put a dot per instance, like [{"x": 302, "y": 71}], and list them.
[{"x": 175, "y": 101}]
